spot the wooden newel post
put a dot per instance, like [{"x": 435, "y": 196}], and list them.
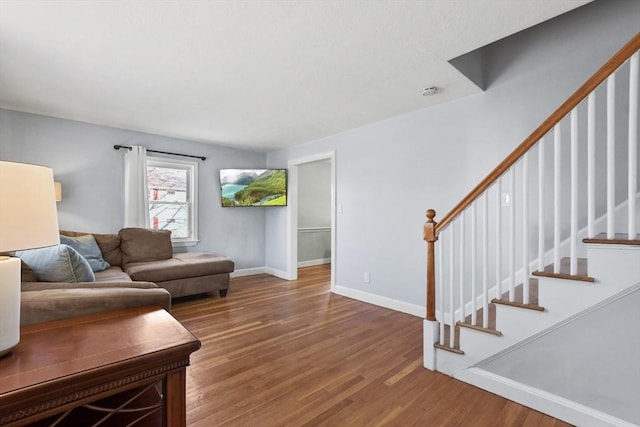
[{"x": 430, "y": 236}]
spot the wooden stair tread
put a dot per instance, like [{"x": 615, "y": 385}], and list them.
[
  {"x": 565, "y": 269},
  {"x": 519, "y": 289},
  {"x": 480, "y": 328},
  {"x": 619, "y": 239},
  {"x": 466, "y": 323},
  {"x": 456, "y": 340},
  {"x": 535, "y": 307},
  {"x": 450, "y": 349},
  {"x": 518, "y": 300}
]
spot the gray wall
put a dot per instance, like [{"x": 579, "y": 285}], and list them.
[
  {"x": 314, "y": 210},
  {"x": 388, "y": 173},
  {"x": 92, "y": 177}
]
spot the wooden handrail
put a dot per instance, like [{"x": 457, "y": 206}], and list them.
[{"x": 601, "y": 75}]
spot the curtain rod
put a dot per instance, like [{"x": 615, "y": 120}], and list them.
[{"x": 117, "y": 147}]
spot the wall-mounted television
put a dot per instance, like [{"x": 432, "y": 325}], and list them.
[{"x": 253, "y": 187}]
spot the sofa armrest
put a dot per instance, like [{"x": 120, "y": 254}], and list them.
[
  {"x": 41, "y": 286},
  {"x": 54, "y": 304}
]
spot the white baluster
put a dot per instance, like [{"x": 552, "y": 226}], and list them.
[
  {"x": 499, "y": 238},
  {"x": 633, "y": 142},
  {"x": 541, "y": 205},
  {"x": 485, "y": 260},
  {"x": 573, "y": 243},
  {"x": 452, "y": 310},
  {"x": 591, "y": 165},
  {"x": 611, "y": 155},
  {"x": 474, "y": 315},
  {"x": 525, "y": 228},
  {"x": 441, "y": 289},
  {"x": 512, "y": 235},
  {"x": 557, "y": 167},
  {"x": 462, "y": 267}
]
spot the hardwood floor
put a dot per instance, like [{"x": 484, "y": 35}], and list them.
[{"x": 279, "y": 353}]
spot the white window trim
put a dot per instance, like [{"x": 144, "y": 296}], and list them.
[{"x": 192, "y": 170}]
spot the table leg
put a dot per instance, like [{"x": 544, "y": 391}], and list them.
[{"x": 175, "y": 399}]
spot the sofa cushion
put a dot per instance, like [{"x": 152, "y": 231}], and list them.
[
  {"x": 59, "y": 263},
  {"x": 109, "y": 245},
  {"x": 181, "y": 266},
  {"x": 113, "y": 274},
  {"x": 141, "y": 244},
  {"x": 27, "y": 273},
  {"x": 87, "y": 246}
]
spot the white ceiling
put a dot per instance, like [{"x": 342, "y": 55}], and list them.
[{"x": 253, "y": 74}]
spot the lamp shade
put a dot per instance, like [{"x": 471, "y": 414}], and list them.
[
  {"x": 28, "y": 214},
  {"x": 28, "y": 219}
]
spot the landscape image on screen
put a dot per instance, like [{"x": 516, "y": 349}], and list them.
[{"x": 253, "y": 187}]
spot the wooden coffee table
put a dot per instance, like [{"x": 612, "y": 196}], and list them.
[{"x": 117, "y": 366}]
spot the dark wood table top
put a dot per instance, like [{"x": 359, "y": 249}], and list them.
[{"x": 77, "y": 358}]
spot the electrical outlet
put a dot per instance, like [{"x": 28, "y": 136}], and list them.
[
  {"x": 366, "y": 278},
  {"x": 506, "y": 199}
]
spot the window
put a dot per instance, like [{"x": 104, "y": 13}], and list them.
[{"x": 172, "y": 188}]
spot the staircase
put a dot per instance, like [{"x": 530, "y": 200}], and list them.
[{"x": 550, "y": 232}]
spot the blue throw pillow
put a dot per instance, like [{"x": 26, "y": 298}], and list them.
[
  {"x": 87, "y": 246},
  {"x": 59, "y": 263}
]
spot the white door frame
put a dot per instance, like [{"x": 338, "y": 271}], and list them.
[{"x": 292, "y": 213}]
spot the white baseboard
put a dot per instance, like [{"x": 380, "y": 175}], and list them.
[
  {"x": 393, "y": 304},
  {"x": 278, "y": 273},
  {"x": 540, "y": 400},
  {"x": 260, "y": 270},
  {"x": 247, "y": 272},
  {"x": 313, "y": 262}
]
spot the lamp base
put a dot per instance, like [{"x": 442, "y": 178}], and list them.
[{"x": 9, "y": 304}]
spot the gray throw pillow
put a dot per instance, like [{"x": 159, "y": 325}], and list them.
[
  {"x": 87, "y": 246},
  {"x": 59, "y": 263}
]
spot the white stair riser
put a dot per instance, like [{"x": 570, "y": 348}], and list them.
[
  {"x": 518, "y": 323},
  {"x": 449, "y": 363},
  {"x": 480, "y": 345},
  {"x": 564, "y": 298},
  {"x": 614, "y": 265}
]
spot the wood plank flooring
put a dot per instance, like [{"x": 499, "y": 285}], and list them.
[{"x": 280, "y": 353}]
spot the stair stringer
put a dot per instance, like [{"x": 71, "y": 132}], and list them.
[{"x": 540, "y": 400}]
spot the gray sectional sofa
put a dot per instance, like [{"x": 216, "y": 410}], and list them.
[{"x": 142, "y": 269}]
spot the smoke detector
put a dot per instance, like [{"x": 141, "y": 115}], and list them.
[{"x": 428, "y": 91}]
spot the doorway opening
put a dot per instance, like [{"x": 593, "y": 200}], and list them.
[{"x": 311, "y": 214}]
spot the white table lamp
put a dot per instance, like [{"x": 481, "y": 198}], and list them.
[{"x": 28, "y": 219}]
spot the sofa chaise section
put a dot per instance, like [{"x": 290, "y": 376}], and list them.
[{"x": 186, "y": 273}]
